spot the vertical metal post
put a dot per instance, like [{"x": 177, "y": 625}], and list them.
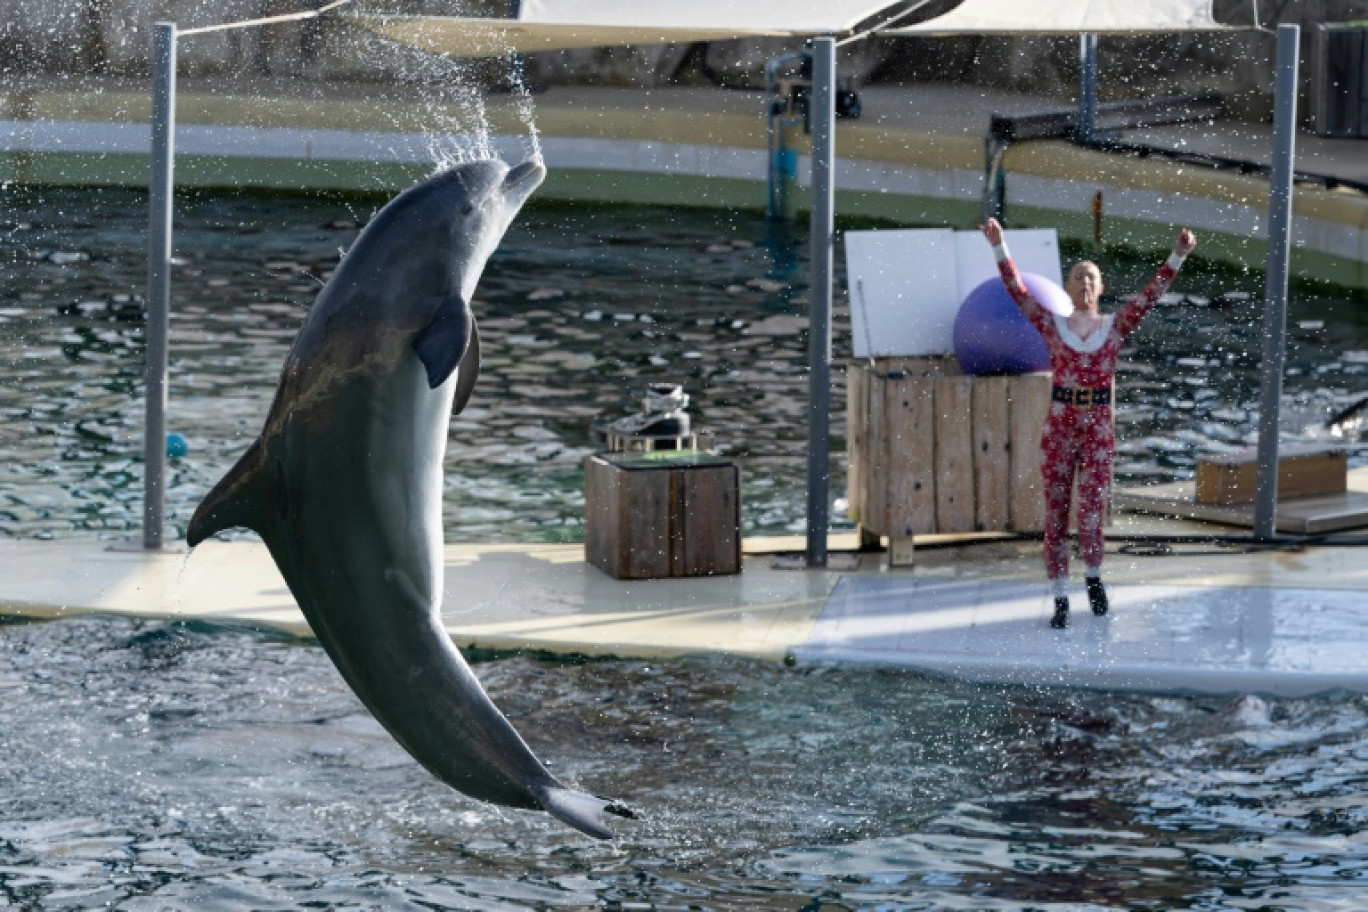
[
  {"x": 159, "y": 279},
  {"x": 778, "y": 153},
  {"x": 772, "y": 140},
  {"x": 823, "y": 111},
  {"x": 1087, "y": 88},
  {"x": 1275, "y": 282}
]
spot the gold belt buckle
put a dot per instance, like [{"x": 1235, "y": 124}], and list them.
[{"x": 1083, "y": 396}]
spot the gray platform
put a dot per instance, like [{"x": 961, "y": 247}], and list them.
[
  {"x": 1317, "y": 515},
  {"x": 1202, "y": 618}
]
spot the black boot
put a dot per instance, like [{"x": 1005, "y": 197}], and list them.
[
  {"x": 1097, "y": 595},
  {"x": 1061, "y": 615}
]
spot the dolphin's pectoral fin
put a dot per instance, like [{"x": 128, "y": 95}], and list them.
[
  {"x": 238, "y": 499},
  {"x": 468, "y": 372},
  {"x": 583, "y": 812},
  {"x": 442, "y": 343}
]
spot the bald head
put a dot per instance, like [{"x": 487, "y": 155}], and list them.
[{"x": 1084, "y": 285}]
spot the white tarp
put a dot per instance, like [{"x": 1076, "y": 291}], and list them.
[
  {"x": 906, "y": 285},
  {"x": 788, "y": 17},
  {"x": 550, "y": 25},
  {"x": 981, "y": 17}
]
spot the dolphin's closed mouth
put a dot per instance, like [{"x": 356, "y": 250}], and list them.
[{"x": 533, "y": 169}]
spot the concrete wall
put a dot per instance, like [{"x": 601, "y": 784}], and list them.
[
  {"x": 1238, "y": 65},
  {"x": 111, "y": 37}
]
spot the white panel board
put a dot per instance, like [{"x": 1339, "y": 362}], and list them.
[
  {"x": 906, "y": 286},
  {"x": 903, "y": 291},
  {"x": 1033, "y": 250}
]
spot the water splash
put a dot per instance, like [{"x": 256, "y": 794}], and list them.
[
  {"x": 522, "y": 98},
  {"x": 460, "y": 120}
]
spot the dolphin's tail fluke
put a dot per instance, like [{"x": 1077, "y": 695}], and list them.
[
  {"x": 581, "y": 811},
  {"x": 235, "y": 501}
]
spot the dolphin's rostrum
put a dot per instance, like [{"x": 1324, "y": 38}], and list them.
[{"x": 344, "y": 485}]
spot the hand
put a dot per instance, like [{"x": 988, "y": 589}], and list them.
[
  {"x": 992, "y": 231},
  {"x": 1186, "y": 241}
]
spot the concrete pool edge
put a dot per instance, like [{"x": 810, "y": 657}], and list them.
[{"x": 695, "y": 157}]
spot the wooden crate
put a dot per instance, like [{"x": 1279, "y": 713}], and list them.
[
  {"x": 663, "y": 514},
  {"x": 1303, "y": 471},
  {"x": 933, "y": 450}
]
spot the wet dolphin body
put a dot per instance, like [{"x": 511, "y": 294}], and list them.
[{"x": 344, "y": 484}]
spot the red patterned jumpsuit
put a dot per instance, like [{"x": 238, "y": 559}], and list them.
[{"x": 1080, "y": 437}]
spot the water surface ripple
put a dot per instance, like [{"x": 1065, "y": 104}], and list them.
[
  {"x": 578, "y": 311},
  {"x": 154, "y": 766}
]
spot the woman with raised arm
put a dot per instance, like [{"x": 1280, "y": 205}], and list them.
[{"x": 1079, "y": 438}]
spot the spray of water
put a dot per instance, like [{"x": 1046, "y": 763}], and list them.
[
  {"x": 526, "y": 110},
  {"x": 461, "y": 124}
]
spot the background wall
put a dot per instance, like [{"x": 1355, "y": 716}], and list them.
[{"x": 110, "y": 37}]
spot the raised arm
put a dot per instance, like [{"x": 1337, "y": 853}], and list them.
[
  {"x": 1012, "y": 279},
  {"x": 1129, "y": 317}
]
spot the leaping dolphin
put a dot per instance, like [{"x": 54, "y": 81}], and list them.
[{"x": 344, "y": 485}]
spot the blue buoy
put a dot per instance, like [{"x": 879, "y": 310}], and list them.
[
  {"x": 992, "y": 336},
  {"x": 176, "y": 446}
]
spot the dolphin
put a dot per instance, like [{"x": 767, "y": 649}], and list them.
[{"x": 344, "y": 484}]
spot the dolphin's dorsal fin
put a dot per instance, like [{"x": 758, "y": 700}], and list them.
[
  {"x": 442, "y": 343},
  {"x": 239, "y": 499},
  {"x": 469, "y": 370}
]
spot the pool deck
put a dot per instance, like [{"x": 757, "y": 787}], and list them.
[{"x": 1204, "y": 618}]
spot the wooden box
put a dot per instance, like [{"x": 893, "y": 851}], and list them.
[
  {"x": 934, "y": 450},
  {"x": 1303, "y": 471},
  {"x": 662, "y": 514}
]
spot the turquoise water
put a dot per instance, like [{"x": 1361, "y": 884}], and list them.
[
  {"x": 152, "y": 766},
  {"x": 579, "y": 310}
]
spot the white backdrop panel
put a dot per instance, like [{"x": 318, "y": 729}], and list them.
[{"x": 906, "y": 286}]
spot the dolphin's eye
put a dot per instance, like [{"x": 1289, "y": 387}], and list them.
[{"x": 467, "y": 209}]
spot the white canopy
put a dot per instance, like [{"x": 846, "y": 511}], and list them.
[
  {"x": 1066, "y": 17},
  {"x": 548, "y": 25},
  {"x": 784, "y": 17}
]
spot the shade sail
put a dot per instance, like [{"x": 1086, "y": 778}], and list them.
[
  {"x": 1066, "y": 17},
  {"x": 786, "y": 17},
  {"x": 549, "y": 25}
]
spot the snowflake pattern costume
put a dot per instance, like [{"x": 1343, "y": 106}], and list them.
[{"x": 1079, "y": 436}]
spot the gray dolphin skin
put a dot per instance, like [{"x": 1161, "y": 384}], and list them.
[{"x": 344, "y": 485}]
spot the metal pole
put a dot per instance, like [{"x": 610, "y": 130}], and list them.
[
  {"x": 1275, "y": 288},
  {"x": 777, "y": 174},
  {"x": 159, "y": 279},
  {"x": 772, "y": 153},
  {"x": 823, "y": 113},
  {"x": 1087, "y": 88}
]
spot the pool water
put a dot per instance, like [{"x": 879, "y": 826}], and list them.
[
  {"x": 581, "y": 308},
  {"x": 154, "y": 766}
]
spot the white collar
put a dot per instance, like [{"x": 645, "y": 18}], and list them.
[{"x": 1095, "y": 339}]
